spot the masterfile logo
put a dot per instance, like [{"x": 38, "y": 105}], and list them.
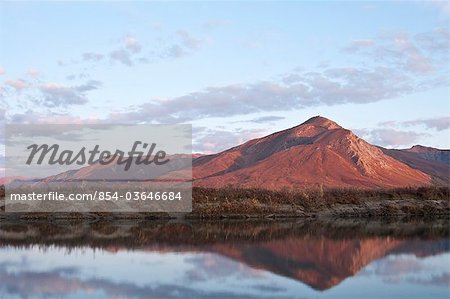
[{"x": 69, "y": 157}]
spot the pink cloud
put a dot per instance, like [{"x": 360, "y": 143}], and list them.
[{"x": 17, "y": 84}]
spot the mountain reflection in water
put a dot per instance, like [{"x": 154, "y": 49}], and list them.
[{"x": 229, "y": 259}]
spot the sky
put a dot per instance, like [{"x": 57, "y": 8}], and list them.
[{"x": 234, "y": 70}]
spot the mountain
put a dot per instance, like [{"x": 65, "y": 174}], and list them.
[
  {"x": 432, "y": 161},
  {"x": 176, "y": 169},
  {"x": 430, "y": 153},
  {"x": 316, "y": 152},
  {"x": 8, "y": 180}
]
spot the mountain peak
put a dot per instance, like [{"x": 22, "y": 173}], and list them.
[
  {"x": 320, "y": 121},
  {"x": 418, "y": 146},
  {"x": 316, "y": 152},
  {"x": 422, "y": 149}
]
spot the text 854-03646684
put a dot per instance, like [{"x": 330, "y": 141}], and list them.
[{"x": 141, "y": 195}]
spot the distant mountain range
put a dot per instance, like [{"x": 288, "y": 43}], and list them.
[
  {"x": 432, "y": 161},
  {"x": 315, "y": 153},
  {"x": 320, "y": 152}
]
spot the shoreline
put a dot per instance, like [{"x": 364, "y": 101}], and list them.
[
  {"x": 232, "y": 203},
  {"x": 101, "y": 233}
]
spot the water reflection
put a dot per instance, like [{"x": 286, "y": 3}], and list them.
[{"x": 137, "y": 259}]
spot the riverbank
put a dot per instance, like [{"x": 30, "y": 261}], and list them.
[
  {"x": 236, "y": 203},
  {"x": 100, "y": 233}
]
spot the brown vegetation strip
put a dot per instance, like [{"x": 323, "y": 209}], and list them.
[{"x": 232, "y": 202}]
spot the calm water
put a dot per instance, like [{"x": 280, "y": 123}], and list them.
[{"x": 130, "y": 259}]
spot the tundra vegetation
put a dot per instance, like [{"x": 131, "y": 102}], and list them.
[{"x": 231, "y": 202}]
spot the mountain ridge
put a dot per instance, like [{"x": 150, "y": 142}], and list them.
[{"x": 316, "y": 152}]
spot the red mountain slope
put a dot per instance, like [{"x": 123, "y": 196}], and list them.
[{"x": 317, "y": 152}]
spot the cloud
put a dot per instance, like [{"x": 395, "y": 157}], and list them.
[
  {"x": 414, "y": 59},
  {"x": 132, "y": 44},
  {"x": 65, "y": 282},
  {"x": 188, "y": 40},
  {"x": 182, "y": 44},
  {"x": 209, "y": 141},
  {"x": 359, "y": 44},
  {"x": 265, "y": 119},
  {"x": 61, "y": 62},
  {"x": 59, "y": 95},
  {"x": 398, "y": 265},
  {"x": 127, "y": 51},
  {"x": 440, "y": 124},
  {"x": 2, "y": 71},
  {"x": 185, "y": 44},
  {"x": 391, "y": 132},
  {"x": 437, "y": 123},
  {"x": 402, "y": 66},
  {"x": 31, "y": 117},
  {"x": 390, "y": 137},
  {"x": 92, "y": 56},
  {"x": 121, "y": 55},
  {"x": 435, "y": 280},
  {"x": 17, "y": 84},
  {"x": 174, "y": 51},
  {"x": 408, "y": 269},
  {"x": 332, "y": 86},
  {"x": 419, "y": 53},
  {"x": 130, "y": 50},
  {"x": 75, "y": 76},
  {"x": 32, "y": 72},
  {"x": 442, "y": 5},
  {"x": 389, "y": 123},
  {"x": 211, "y": 266},
  {"x": 436, "y": 41}
]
